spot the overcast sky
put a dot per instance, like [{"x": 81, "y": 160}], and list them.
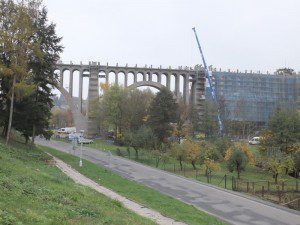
[{"x": 234, "y": 34}]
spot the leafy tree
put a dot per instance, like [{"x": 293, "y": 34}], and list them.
[
  {"x": 296, "y": 158},
  {"x": 237, "y": 160},
  {"x": 122, "y": 110},
  {"x": 245, "y": 149},
  {"x": 278, "y": 164},
  {"x": 163, "y": 111},
  {"x": 137, "y": 108},
  {"x": 192, "y": 152},
  {"x": 177, "y": 151},
  {"x": 112, "y": 103},
  {"x": 61, "y": 118},
  {"x": 17, "y": 47},
  {"x": 143, "y": 138},
  {"x": 30, "y": 51},
  {"x": 283, "y": 132},
  {"x": 222, "y": 144},
  {"x": 39, "y": 102},
  {"x": 209, "y": 156}
]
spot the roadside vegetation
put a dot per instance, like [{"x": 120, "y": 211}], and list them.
[
  {"x": 163, "y": 133},
  {"x": 166, "y": 205},
  {"x": 34, "y": 191}
]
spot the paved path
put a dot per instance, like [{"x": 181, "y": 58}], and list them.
[
  {"x": 133, "y": 206},
  {"x": 234, "y": 208}
]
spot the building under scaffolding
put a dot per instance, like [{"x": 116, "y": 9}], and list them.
[{"x": 253, "y": 97}]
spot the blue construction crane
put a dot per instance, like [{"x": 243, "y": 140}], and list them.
[{"x": 211, "y": 86}]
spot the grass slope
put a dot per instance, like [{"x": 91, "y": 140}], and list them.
[
  {"x": 164, "y": 204},
  {"x": 32, "y": 191}
]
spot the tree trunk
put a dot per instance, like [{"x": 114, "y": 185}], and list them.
[
  {"x": 276, "y": 178},
  {"x": 11, "y": 109},
  {"x": 193, "y": 164},
  {"x": 136, "y": 153},
  {"x": 4, "y": 131},
  {"x": 157, "y": 161},
  {"x": 33, "y": 135},
  {"x": 238, "y": 169},
  {"x": 26, "y": 139},
  {"x": 180, "y": 162}
]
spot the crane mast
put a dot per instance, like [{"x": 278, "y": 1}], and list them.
[{"x": 211, "y": 86}]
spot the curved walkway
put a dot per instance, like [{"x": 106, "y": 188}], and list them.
[
  {"x": 133, "y": 206},
  {"x": 229, "y": 206}
]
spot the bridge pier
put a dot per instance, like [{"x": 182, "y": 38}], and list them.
[
  {"x": 80, "y": 90},
  {"x": 71, "y": 83},
  {"x": 93, "y": 98},
  {"x": 177, "y": 77},
  {"x": 186, "y": 89}
]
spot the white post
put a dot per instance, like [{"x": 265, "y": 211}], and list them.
[{"x": 80, "y": 161}]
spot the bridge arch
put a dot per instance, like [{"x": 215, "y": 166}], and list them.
[{"x": 146, "y": 83}]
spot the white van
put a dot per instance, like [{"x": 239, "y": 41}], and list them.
[{"x": 254, "y": 141}]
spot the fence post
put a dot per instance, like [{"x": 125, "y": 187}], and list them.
[
  {"x": 232, "y": 183},
  {"x": 225, "y": 181},
  {"x": 253, "y": 188},
  {"x": 174, "y": 167},
  {"x": 268, "y": 185},
  {"x": 247, "y": 186},
  {"x": 296, "y": 185},
  {"x": 262, "y": 191},
  {"x": 184, "y": 169},
  {"x": 282, "y": 186}
]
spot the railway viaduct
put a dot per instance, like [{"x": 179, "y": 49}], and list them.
[{"x": 190, "y": 80}]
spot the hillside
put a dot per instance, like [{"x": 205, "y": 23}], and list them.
[{"x": 34, "y": 191}]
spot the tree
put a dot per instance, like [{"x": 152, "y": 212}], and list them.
[
  {"x": 163, "y": 111},
  {"x": 112, "y": 102},
  {"x": 192, "y": 151},
  {"x": 222, "y": 144},
  {"x": 121, "y": 110},
  {"x": 284, "y": 128},
  {"x": 238, "y": 157},
  {"x": 278, "y": 164},
  {"x": 296, "y": 158},
  {"x": 143, "y": 138},
  {"x": 209, "y": 156},
  {"x": 39, "y": 102},
  {"x": 177, "y": 151},
  {"x": 30, "y": 51},
  {"x": 17, "y": 47}
]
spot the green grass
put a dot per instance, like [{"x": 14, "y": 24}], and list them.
[
  {"x": 33, "y": 191},
  {"x": 148, "y": 197}
]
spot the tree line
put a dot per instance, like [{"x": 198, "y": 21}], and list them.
[
  {"x": 29, "y": 49},
  {"x": 167, "y": 129}
]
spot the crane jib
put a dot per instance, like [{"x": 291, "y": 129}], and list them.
[{"x": 211, "y": 87}]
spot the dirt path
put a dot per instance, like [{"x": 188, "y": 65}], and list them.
[{"x": 133, "y": 206}]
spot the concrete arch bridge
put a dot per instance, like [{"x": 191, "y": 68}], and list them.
[{"x": 185, "y": 82}]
